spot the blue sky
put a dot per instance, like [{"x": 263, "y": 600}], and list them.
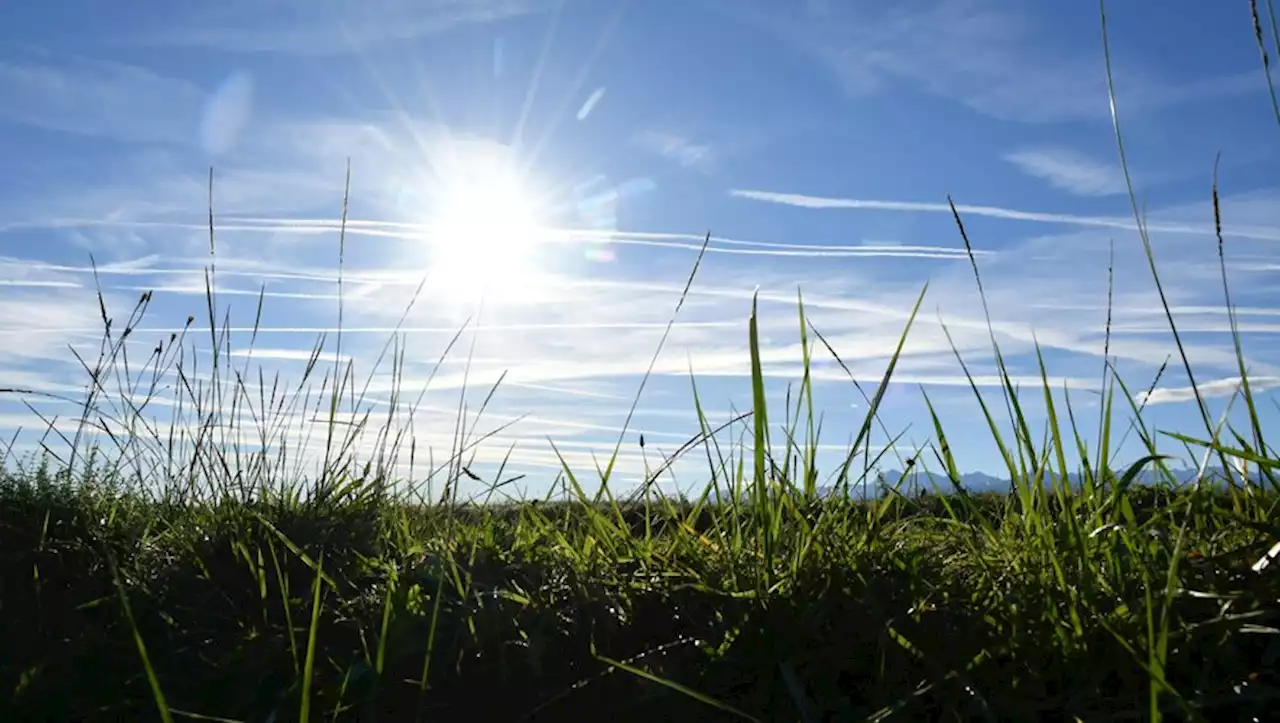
[{"x": 560, "y": 162}]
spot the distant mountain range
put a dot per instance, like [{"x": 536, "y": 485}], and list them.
[{"x": 981, "y": 482}]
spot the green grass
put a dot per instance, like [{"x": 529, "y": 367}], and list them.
[
  {"x": 173, "y": 559},
  {"x": 961, "y": 607}
]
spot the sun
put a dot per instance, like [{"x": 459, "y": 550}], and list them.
[{"x": 486, "y": 228}]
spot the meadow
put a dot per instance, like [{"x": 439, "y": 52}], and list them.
[{"x": 174, "y": 560}]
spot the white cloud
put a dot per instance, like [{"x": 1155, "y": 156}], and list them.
[
  {"x": 292, "y": 355},
  {"x": 1262, "y": 233},
  {"x": 226, "y": 113},
  {"x": 1051, "y": 284},
  {"x": 597, "y": 336},
  {"x": 591, "y": 102},
  {"x": 574, "y": 352},
  {"x": 617, "y": 323},
  {"x": 679, "y": 149},
  {"x": 993, "y": 56},
  {"x": 1070, "y": 171},
  {"x": 416, "y": 233},
  {"x": 328, "y": 27},
  {"x": 1213, "y": 388},
  {"x": 39, "y": 284},
  {"x": 137, "y": 192},
  {"x": 47, "y": 320}
]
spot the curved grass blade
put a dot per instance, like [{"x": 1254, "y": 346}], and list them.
[{"x": 700, "y": 697}]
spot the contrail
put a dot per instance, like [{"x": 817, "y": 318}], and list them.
[
  {"x": 802, "y": 201},
  {"x": 425, "y": 233}
]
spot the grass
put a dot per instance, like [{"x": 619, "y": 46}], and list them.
[{"x": 189, "y": 568}]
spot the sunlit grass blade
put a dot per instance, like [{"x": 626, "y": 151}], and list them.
[
  {"x": 1015, "y": 414},
  {"x": 1255, "y": 426},
  {"x": 701, "y": 698},
  {"x": 608, "y": 472},
  {"x": 309, "y": 665},
  {"x": 761, "y": 482},
  {"x": 157, "y": 694},
  {"x": 1141, "y": 226},
  {"x": 864, "y": 429}
]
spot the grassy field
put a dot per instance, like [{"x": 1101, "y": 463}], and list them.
[
  {"x": 1032, "y": 607},
  {"x": 157, "y": 566}
]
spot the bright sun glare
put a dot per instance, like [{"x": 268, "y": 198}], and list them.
[{"x": 486, "y": 227}]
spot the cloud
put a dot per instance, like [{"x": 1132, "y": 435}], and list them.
[
  {"x": 226, "y": 113},
  {"x": 48, "y": 320},
  {"x": 1070, "y": 171},
  {"x": 1215, "y": 388},
  {"x": 1047, "y": 288},
  {"x": 685, "y": 152},
  {"x": 993, "y": 56},
  {"x": 329, "y": 27},
  {"x": 598, "y": 334},
  {"x": 138, "y": 192},
  {"x": 578, "y": 310},
  {"x": 102, "y": 99},
  {"x": 292, "y": 355},
  {"x": 39, "y": 284},
  {"x": 591, "y": 102},
  {"x": 423, "y": 233},
  {"x": 574, "y": 350},
  {"x": 1115, "y": 222}
]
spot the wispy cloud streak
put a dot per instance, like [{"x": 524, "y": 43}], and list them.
[
  {"x": 826, "y": 202},
  {"x": 1070, "y": 171},
  {"x": 590, "y": 104},
  {"x": 1213, "y": 388},
  {"x": 306, "y": 28},
  {"x": 100, "y": 98},
  {"x": 425, "y": 233}
]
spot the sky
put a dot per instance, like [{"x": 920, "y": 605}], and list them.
[{"x": 540, "y": 175}]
